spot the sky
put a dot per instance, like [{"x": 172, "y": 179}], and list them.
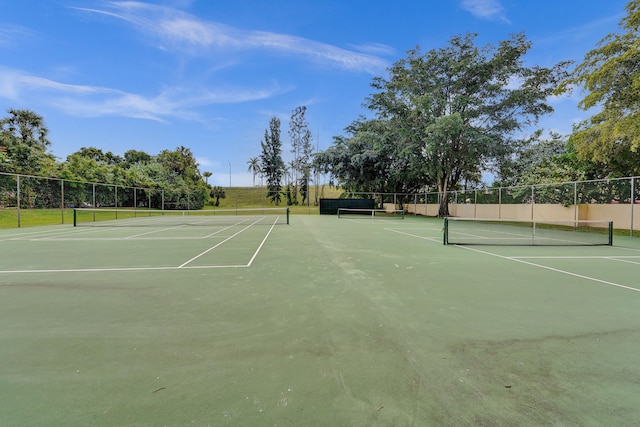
[{"x": 210, "y": 74}]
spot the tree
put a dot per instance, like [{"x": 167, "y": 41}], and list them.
[
  {"x": 610, "y": 74},
  {"x": 271, "y": 163},
  {"x": 300, "y": 137},
  {"x": 206, "y": 176},
  {"x": 545, "y": 161},
  {"x": 217, "y": 193},
  {"x": 462, "y": 106},
  {"x": 373, "y": 159},
  {"x": 24, "y": 144},
  {"x": 134, "y": 156},
  {"x": 184, "y": 187},
  {"x": 254, "y": 168}
]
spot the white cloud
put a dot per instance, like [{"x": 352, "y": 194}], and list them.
[
  {"x": 180, "y": 31},
  {"x": 375, "y": 49},
  {"x": 95, "y": 101},
  {"x": 485, "y": 9},
  {"x": 13, "y": 35}
]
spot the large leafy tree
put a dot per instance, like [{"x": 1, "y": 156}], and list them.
[
  {"x": 271, "y": 163},
  {"x": 24, "y": 144},
  {"x": 185, "y": 187},
  {"x": 370, "y": 159},
  {"x": 610, "y": 74},
  {"x": 546, "y": 160},
  {"x": 461, "y": 108}
]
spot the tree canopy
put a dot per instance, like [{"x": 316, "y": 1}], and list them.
[
  {"x": 610, "y": 75},
  {"x": 444, "y": 116},
  {"x": 24, "y": 144}
]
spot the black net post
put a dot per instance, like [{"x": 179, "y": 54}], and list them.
[{"x": 445, "y": 234}]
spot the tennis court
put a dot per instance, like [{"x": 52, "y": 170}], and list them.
[{"x": 324, "y": 321}]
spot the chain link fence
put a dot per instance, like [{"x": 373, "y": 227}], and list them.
[{"x": 30, "y": 200}]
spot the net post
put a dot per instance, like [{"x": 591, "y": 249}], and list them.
[
  {"x": 75, "y": 222},
  {"x": 445, "y": 235},
  {"x": 610, "y": 233},
  {"x": 288, "y": 216}
]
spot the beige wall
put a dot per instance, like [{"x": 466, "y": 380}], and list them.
[{"x": 620, "y": 214}]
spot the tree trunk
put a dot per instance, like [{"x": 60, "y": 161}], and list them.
[{"x": 443, "y": 187}]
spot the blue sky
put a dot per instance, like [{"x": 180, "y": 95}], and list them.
[{"x": 209, "y": 74}]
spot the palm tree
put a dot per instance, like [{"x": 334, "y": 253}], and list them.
[
  {"x": 254, "y": 168},
  {"x": 206, "y": 177}
]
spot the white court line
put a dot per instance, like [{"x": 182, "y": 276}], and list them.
[
  {"x": 219, "y": 231},
  {"x": 114, "y": 239},
  {"x": 623, "y": 259},
  {"x": 385, "y": 221},
  {"x": 593, "y": 279},
  {"x": 262, "y": 243},
  {"x": 521, "y": 260},
  {"x": 133, "y": 236},
  {"x": 215, "y": 246},
  {"x": 64, "y": 233},
  {"x": 431, "y": 239},
  {"x": 103, "y": 270},
  {"x": 183, "y": 266},
  {"x": 576, "y": 257},
  {"x": 15, "y": 236},
  {"x": 30, "y": 235}
]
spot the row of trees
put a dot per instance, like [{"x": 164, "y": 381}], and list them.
[
  {"x": 444, "y": 117},
  {"x": 175, "y": 174}
]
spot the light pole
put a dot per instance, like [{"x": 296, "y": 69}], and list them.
[{"x": 229, "y": 173}]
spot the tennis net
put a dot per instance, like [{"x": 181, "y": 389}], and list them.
[
  {"x": 371, "y": 213},
  {"x": 208, "y": 217},
  {"x": 473, "y": 231}
]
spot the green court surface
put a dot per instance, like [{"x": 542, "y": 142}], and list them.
[{"x": 324, "y": 322}]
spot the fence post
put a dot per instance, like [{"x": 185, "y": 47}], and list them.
[
  {"x": 533, "y": 195},
  {"x": 18, "y": 197},
  {"x": 633, "y": 202},
  {"x": 475, "y": 202},
  {"x": 62, "y": 199},
  {"x": 575, "y": 201}
]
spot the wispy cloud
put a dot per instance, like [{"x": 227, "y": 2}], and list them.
[
  {"x": 95, "y": 101},
  {"x": 486, "y": 9},
  {"x": 586, "y": 31},
  {"x": 176, "y": 30},
  {"x": 12, "y": 35}
]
